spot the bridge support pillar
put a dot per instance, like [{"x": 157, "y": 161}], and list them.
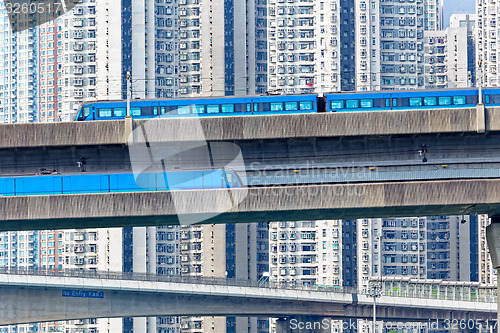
[
  {"x": 129, "y": 127},
  {"x": 303, "y": 324},
  {"x": 480, "y": 118},
  {"x": 493, "y": 240}
]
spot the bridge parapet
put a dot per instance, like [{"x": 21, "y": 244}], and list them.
[{"x": 435, "y": 289}]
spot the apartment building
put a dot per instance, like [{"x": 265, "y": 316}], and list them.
[
  {"x": 317, "y": 46},
  {"x": 19, "y": 98},
  {"x": 50, "y": 69},
  {"x": 487, "y": 40},
  {"x": 440, "y": 247},
  {"x": 389, "y": 52},
  {"x": 305, "y": 46},
  {"x": 461, "y": 58},
  {"x": 426, "y": 247},
  {"x": 20, "y": 250},
  {"x": 313, "y": 253}
]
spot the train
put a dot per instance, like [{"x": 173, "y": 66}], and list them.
[
  {"x": 119, "y": 182},
  {"x": 289, "y": 104}
]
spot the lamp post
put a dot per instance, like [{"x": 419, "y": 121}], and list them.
[
  {"x": 129, "y": 93},
  {"x": 375, "y": 289},
  {"x": 480, "y": 82}
]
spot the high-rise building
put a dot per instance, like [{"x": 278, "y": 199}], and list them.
[
  {"x": 313, "y": 253},
  {"x": 440, "y": 247},
  {"x": 306, "y": 46},
  {"x": 389, "y": 50},
  {"x": 20, "y": 250},
  {"x": 315, "y": 46},
  {"x": 487, "y": 43},
  {"x": 426, "y": 247},
  {"x": 19, "y": 98},
  {"x": 461, "y": 50}
]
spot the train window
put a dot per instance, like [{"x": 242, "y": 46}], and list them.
[
  {"x": 487, "y": 99},
  {"x": 429, "y": 101},
  {"x": 387, "y": 102},
  {"x": 239, "y": 107},
  {"x": 86, "y": 112},
  {"x": 135, "y": 111},
  {"x": 444, "y": 100},
  {"x": 415, "y": 101},
  {"x": 459, "y": 100},
  {"x": 227, "y": 107},
  {"x": 366, "y": 103},
  {"x": 212, "y": 109},
  {"x": 104, "y": 113},
  {"x": 119, "y": 112},
  {"x": 263, "y": 106},
  {"x": 291, "y": 106},
  {"x": 255, "y": 107},
  {"x": 199, "y": 109},
  {"x": 394, "y": 102},
  {"x": 155, "y": 110},
  {"x": 277, "y": 106},
  {"x": 337, "y": 104},
  {"x": 148, "y": 111},
  {"x": 306, "y": 105},
  {"x": 352, "y": 104},
  {"x": 169, "y": 109},
  {"x": 183, "y": 109}
]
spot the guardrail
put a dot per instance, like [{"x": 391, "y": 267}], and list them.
[
  {"x": 93, "y": 274},
  {"x": 392, "y": 287},
  {"x": 435, "y": 289}
]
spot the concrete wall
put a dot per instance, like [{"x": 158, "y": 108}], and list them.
[
  {"x": 254, "y": 127},
  {"x": 349, "y": 201}
]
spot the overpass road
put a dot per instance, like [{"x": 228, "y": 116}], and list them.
[
  {"x": 256, "y": 204},
  {"x": 285, "y": 141},
  {"x": 54, "y": 296},
  {"x": 346, "y": 165}
]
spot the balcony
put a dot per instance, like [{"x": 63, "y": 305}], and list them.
[
  {"x": 79, "y": 236},
  {"x": 79, "y": 261},
  {"x": 78, "y": 249}
]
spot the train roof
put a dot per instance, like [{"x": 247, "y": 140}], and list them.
[
  {"x": 194, "y": 98},
  {"x": 402, "y": 91}
]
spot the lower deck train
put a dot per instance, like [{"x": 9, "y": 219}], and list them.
[{"x": 119, "y": 182}]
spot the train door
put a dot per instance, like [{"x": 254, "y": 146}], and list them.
[{"x": 252, "y": 106}]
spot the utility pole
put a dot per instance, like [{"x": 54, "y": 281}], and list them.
[
  {"x": 129, "y": 93},
  {"x": 376, "y": 290},
  {"x": 480, "y": 82}
]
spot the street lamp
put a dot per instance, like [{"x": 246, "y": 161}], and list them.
[{"x": 375, "y": 291}]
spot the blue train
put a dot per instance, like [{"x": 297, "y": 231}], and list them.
[
  {"x": 119, "y": 182},
  {"x": 281, "y": 104},
  {"x": 213, "y": 106}
]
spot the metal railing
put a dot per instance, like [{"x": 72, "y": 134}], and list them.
[
  {"x": 408, "y": 288},
  {"x": 109, "y": 275},
  {"x": 436, "y": 289}
]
